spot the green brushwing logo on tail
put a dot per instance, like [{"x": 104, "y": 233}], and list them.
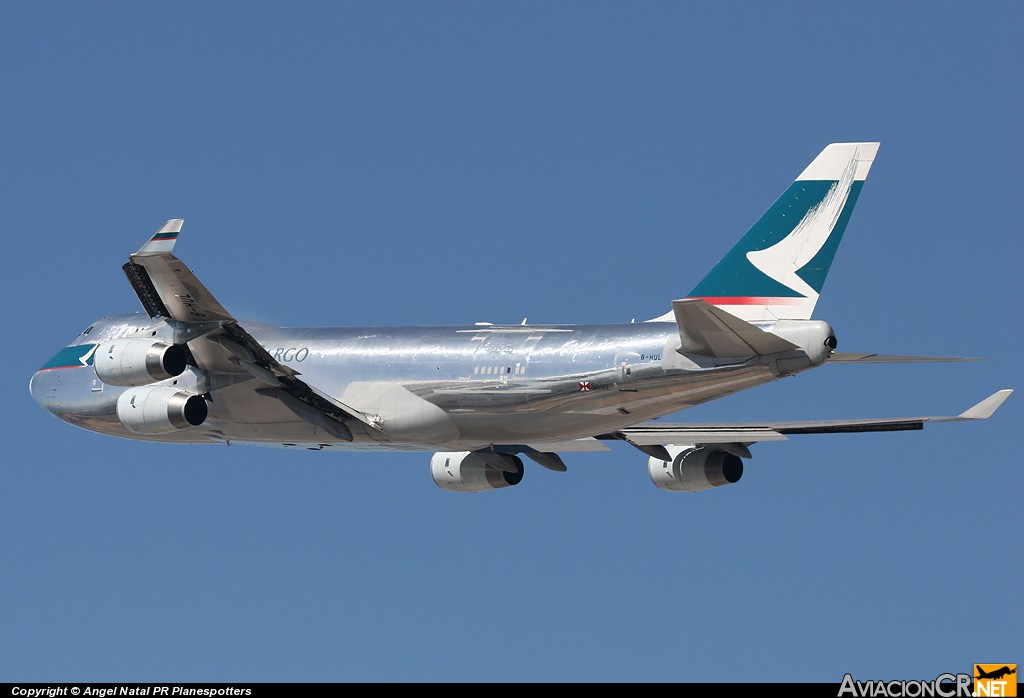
[
  {"x": 777, "y": 270},
  {"x": 806, "y": 209}
]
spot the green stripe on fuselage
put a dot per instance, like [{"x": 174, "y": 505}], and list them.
[
  {"x": 71, "y": 356},
  {"x": 736, "y": 276}
]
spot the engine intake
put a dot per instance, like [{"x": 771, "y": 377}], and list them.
[
  {"x": 694, "y": 468},
  {"x": 160, "y": 410},
  {"x": 138, "y": 361},
  {"x": 464, "y": 471}
]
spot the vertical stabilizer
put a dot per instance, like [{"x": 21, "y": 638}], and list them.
[{"x": 776, "y": 271}]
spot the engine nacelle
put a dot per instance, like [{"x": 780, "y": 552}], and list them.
[
  {"x": 138, "y": 361},
  {"x": 695, "y": 468},
  {"x": 464, "y": 471},
  {"x": 160, "y": 410}
]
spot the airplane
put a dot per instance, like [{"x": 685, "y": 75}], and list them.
[
  {"x": 997, "y": 674},
  {"x": 483, "y": 396}
]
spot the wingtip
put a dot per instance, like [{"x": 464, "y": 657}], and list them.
[
  {"x": 163, "y": 240},
  {"x": 987, "y": 407}
]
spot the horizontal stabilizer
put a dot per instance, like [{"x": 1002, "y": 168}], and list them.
[
  {"x": 848, "y": 358},
  {"x": 705, "y": 330}
]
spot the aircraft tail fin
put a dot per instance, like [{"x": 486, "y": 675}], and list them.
[{"x": 776, "y": 271}]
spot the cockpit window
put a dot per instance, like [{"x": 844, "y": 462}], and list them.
[{"x": 88, "y": 329}]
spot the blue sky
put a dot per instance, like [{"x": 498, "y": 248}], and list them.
[{"x": 446, "y": 163}]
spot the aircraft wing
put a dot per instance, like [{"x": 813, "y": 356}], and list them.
[
  {"x": 218, "y": 344},
  {"x": 656, "y": 433},
  {"x": 585, "y": 445}
]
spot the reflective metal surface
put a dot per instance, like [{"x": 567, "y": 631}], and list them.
[{"x": 425, "y": 388}]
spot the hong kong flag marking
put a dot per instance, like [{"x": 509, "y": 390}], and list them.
[{"x": 584, "y": 386}]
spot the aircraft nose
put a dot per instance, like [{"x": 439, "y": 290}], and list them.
[
  {"x": 41, "y": 387},
  {"x": 58, "y": 376}
]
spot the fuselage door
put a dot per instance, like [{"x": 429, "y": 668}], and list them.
[{"x": 626, "y": 362}]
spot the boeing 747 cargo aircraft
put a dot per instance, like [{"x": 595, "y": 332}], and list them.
[{"x": 481, "y": 397}]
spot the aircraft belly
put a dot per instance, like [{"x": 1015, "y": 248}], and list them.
[
  {"x": 571, "y": 413},
  {"x": 400, "y": 413}
]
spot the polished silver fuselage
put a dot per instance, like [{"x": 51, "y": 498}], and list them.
[{"x": 431, "y": 388}]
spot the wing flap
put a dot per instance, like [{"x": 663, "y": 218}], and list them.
[
  {"x": 586, "y": 445},
  {"x": 218, "y": 344},
  {"x": 138, "y": 277},
  {"x": 661, "y": 434},
  {"x": 183, "y": 296}
]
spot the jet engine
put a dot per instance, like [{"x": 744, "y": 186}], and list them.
[
  {"x": 694, "y": 468},
  {"x": 464, "y": 471},
  {"x": 138, "y": 361},
  {"x": 160, "y": 410}
]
